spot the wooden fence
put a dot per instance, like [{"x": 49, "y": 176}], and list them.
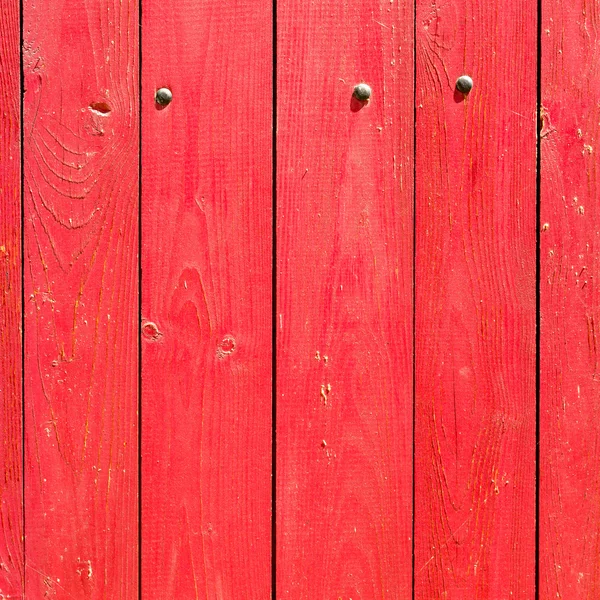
[{"x": 262, "y": 338}]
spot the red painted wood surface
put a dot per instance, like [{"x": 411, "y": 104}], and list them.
[
  {"x": 206, "y": 300},
  {"x": 346, "y": 241},
  {"x": 81, "y": 301},
  {"x": 570, "y": 302},
  {"x": 344, "y": 305},
  {"x": 475, "y": 301},
  {"x": 11, "y": 509}
]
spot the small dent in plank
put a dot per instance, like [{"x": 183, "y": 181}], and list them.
[
  {"x": 547, "y": 127},
  {"x": 84, "y": 568},
  {"x": 318, "y": 356},
  {"x": 329, "y": 453},
  {"x": 325, "y": 391}
]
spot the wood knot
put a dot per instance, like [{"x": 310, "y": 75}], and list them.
[
  {"x": 226, "y": 346},
  {"x": 151, "y": 331},
  {"x": 101, "y": 109}
]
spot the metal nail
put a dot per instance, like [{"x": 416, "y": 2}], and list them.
[
  {"x": 362, "y": 92},
  {"x": 464, "y": 84},
  {"x": 163, "y": 96}
]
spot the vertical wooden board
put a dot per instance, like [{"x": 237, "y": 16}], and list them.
[
  {"x": 570, "y": 302},
  {"x": 344, "y": 305},
  {"x": 475, "y": 300},
  {"x": 81, "y": 155},
  {"x": 11, "y": 508},
  {"x": 206, "y": 300}
]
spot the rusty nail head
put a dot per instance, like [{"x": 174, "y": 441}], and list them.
[
  {"x": 464, "y": 84},
  {"x": 362, "y": 92},
  {"x": 163, "y": 96}
]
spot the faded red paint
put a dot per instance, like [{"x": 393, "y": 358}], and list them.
[
  {"x": 348, "y": 304},
  {"x": 475, "y": 404},
  {"x": 344, "y": 303},
  {"x": 206, "y": 295}
]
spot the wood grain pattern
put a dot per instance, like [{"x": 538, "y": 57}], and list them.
[
  {"x": 570, "y": 302},
  {"x": 81, "y": 157},
  {"x": 346, "y": 241},
  {"x": 475, "y": 301},
  {"x": 344, "y": 316},
  {"x": 206, "y": 300},
  {"x": 11, "y": 483}
]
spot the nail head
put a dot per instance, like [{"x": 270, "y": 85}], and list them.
[
  {"x": 163, "y": 96},
  {"x": 464, "y": 84},
  {"x": 362, "y": 92}
]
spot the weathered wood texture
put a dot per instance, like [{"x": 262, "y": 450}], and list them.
[
  {"x": 81, "y": 291},
  {"x": 346, "y": 242},
  {"x": 206, "y": 300},
  {"x": 570, "y": 301},
  {"x": 475, "y": 300},
  {"x": 344, "y": 316},
  {"x": 11, "y": 483}
]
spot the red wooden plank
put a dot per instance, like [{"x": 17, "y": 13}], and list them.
[
  {"x": 11, "y": 500},
  {"x": 475, "y": 300},
  {"x": 344, "y": 316},
  {"x": 569, "y": 302},
  {"x": 206, "y": 300},
  {"x": 81, "y": 278}
]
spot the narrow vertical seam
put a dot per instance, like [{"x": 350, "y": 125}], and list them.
[
  {"x": 22, "y": 215},
  {"x": 139, "y": 312},
  {"x": 274, "y": 311},
  {"x": 538, "y": 295},
  {"x": 414, "y": 293}
]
